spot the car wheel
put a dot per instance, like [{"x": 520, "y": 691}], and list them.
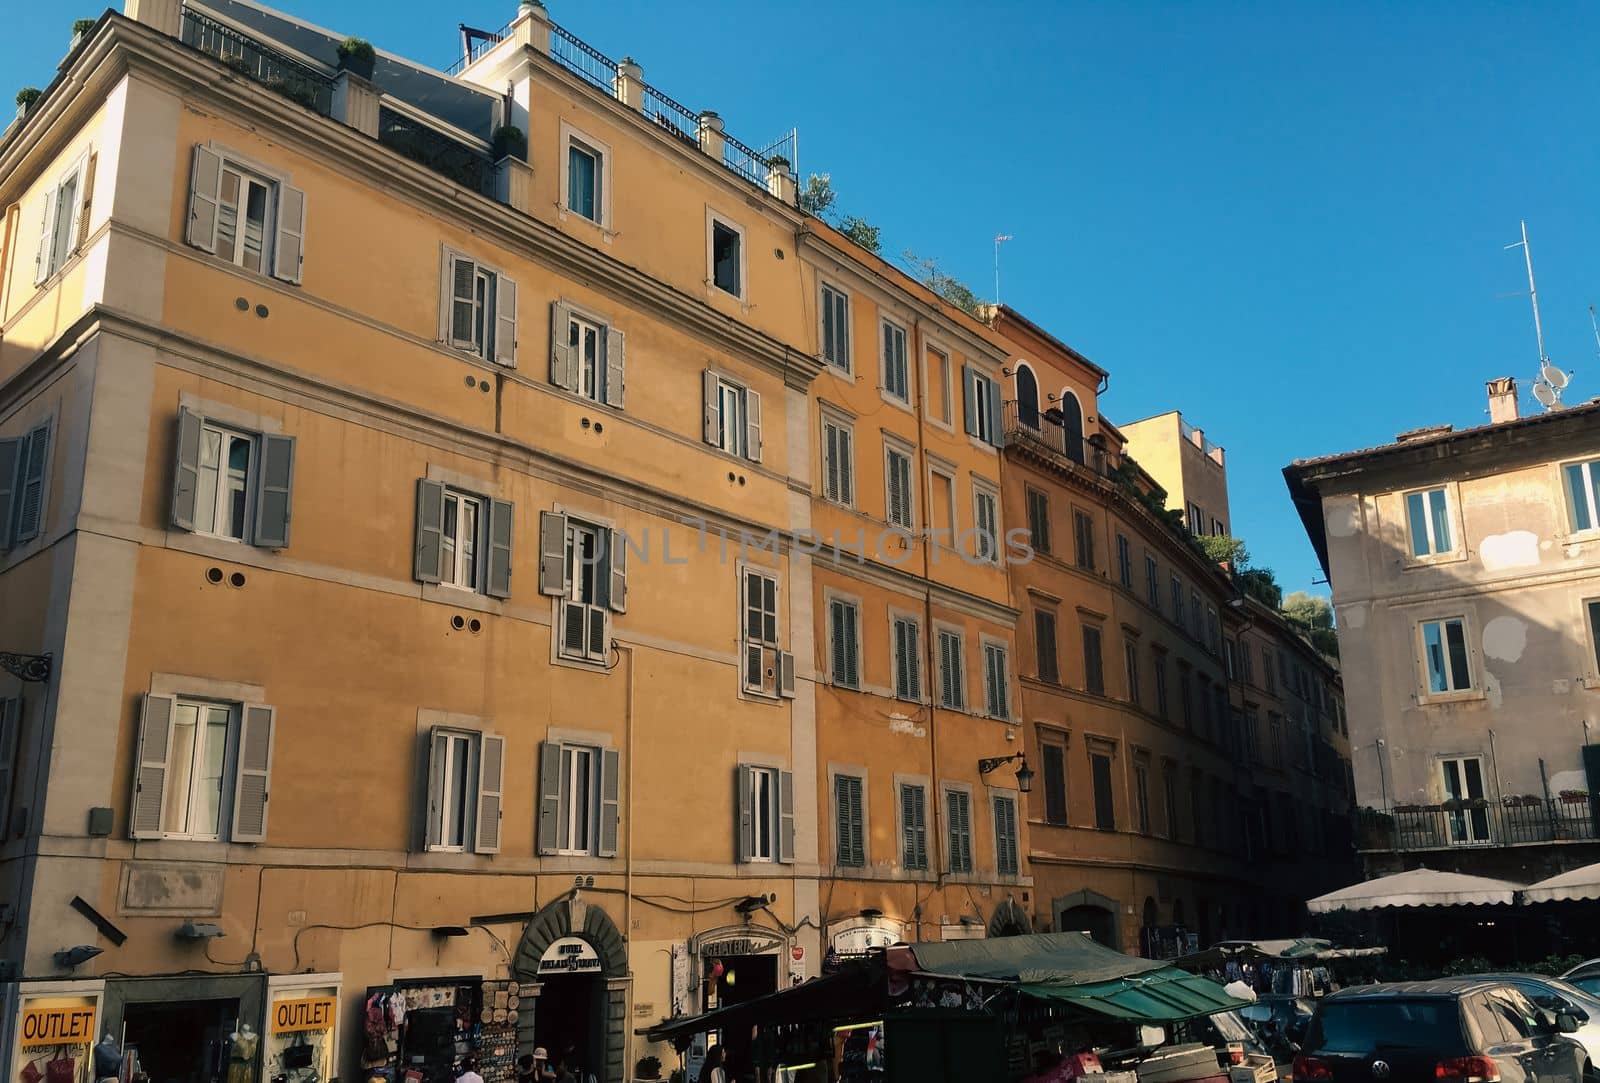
[{"x": 1589, "y": 1075}]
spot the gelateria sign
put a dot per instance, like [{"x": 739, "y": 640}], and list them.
[
  {"x": 44, "y": 1025},
  {"x": 308, "y": 1013},
  {"x": 569, "y": 955}
]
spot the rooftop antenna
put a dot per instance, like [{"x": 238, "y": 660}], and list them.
[
  {"x": 1595, "y": 328},
  {"x": 999, "y": 239},
  {"x": 1547, "y": 386}
]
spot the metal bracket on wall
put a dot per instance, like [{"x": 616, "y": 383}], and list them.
[{"x": 34, "y": 668}]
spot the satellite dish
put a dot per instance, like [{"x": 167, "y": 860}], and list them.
[
  {"x": 1545, "y": 394},
  {"x": 1553, "y": 376}
]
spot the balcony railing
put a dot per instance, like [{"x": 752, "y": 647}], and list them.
[
  {"x": 1473, "y": 824},
  {"x": 257, "y": 60},
  {"x": 465, "y": 165},
  {"x": 1037, "y": 428},
  {"x": 583, "y": 60}
]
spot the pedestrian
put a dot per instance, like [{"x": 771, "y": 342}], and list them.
[
  {"x": 712, "y": 1071},
  {"x": 469, "y": 1070},
  {"x": 564, "y": 1069},
  {"x": 525, "y": 1069}
]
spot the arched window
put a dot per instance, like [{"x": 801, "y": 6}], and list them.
[
  {"x": 1027, "y": 397},
  {"x": 1072, "y": 425},
  {"x": 1177, "y": 911},
  {"x": 1150, "y": 917}
]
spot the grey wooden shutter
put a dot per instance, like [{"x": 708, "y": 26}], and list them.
[
  {"x": 711, "y": 409},
  {"x": 252, "y": 773},
  {"x": 610, "y": 801},
  {"x": 997, "y": 426},
  {"x": 552, "y": 553},
  {"x": 274, "y": 491},
  {"x": 434, "y": 797},
  {"x": 595, "y": 647},
  {"x": 430, "y": 531},
  {"x": 10, "y": 724},
  {"x": 86, "y": 199},
  {"x": 30, "y": 491},
  {"x": 10, "y": 454},
  {"x": 858, "y": 846},
  {"x": 919, "y": 804},
  {"x": 616, "y": 366},
  {"x": 150, "y": 777},
  {"x": 205, "y": 178},
  {"x": 744, "y": 827},
  {"x": 501, "y": 516},
  {"x": 186, "y": 470},
  {"x": 836, "y": 615},
  {"x": 1005, "y": 836},
  {"x": 752, "y": 421},
  {"x": 913, "y": 661},
  {"x": 852, "y": 647},
  {"x": 786, "y": 674},
  {"x": 505, "y": 322},
  {"x": 41, "y": 256},
  {"x": 851, "y": 842},
  {"x": 491, "y": 789},
  {"x": 786, "y": 817},
  {"x": 908, "y": 815},
  {"x": 969, "y": 398},
  {"x": 617, "y": 555},
  {"x": 289, "y": 253},
  {"x": 847, "y": 467},
  {"x": 549, "y": 796},
  {"x": 461, "y": 277},
  {"x": 960, "y": 831},
  {"x": 563, "y": 358}
]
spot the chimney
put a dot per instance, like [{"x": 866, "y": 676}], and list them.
[{"x": 1502, "y": 400}]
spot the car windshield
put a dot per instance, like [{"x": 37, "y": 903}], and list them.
[
  {"x": 1361, "y": 1026},
  {"x": 1590, "y": 985}
]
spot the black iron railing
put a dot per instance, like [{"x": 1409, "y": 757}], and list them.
[
  {"x": 259, "y": 61},
  {"x": 583, "y": 60},
  {"x": 478, "y": 43},
  {"x": 1526, "y": 822},
  {"x": 467, "y": 166},
  {"x": 1030, "y": 425}
]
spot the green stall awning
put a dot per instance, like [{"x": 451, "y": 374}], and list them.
[{"x": 1160, "y": 996}]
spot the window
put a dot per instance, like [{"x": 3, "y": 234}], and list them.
[
  {"x": 1269, "y": 674},
  {"x": 1130, "y": 657},
  {"x": 586, "y": 355},
  {"x": 836, "y": 327},
  {"x": 907, "y": 636},
  {"x": 1252, "y": 736},
  {"x": 463, "y": 540},
  {"x": 996, "y": 680},
  {"x": 850, "y": 846},
  {"x": 952, "y": 671},
  {"x": 1177, "y": 602},
  {"x": 1044, "y": 646},
  {"x": 1196, "y": 519},
  {"x": 1055, "y": 782},
  {"x": 1445, "y": 662},
  {"x": 1105, "y": 809},
  {"x": 1141, "y": 797},
  {"x": 768, "y": 670},
  {"x": 232, "y": 484},
  {"x": 1283, "y": 670},
  {"x": 1593, "y": 609},
  {"x": 1005, "y": 836},
  {"x": 725, "y": 254},
  {"x": 896, "y": 378},
  {"x": 1094, "y": 679},
  {"x": 578, "y": 799},
  {"x": 986, "y": 522},
  {"x": 1169, "y": 788},
  {"x": 1152, "y": 582},
  {"x": 1428, "y": 523},
  {"x": 844, "y": 642},
  {"x": 241, "y": 215},
  {"x": 1186, "y": 694},
  {"x": 838, "y": 461},
  {"x": 1213, "y": 630},
  {"x": 1462, "y": 780},
  {"x": 1196, "y": 617},
  {"x": 942, "y": 515},
  {"x": 1124, "y": 561},
  {"x": 202, "y": 770},
  {"x": 584, "y": 567},
  {"x": 1083, "y": 539},
  {"x": 913, "y": 826},
  {"x": 766, "y": 814},
  {"x": 1247, "y": 662},
  {"x": 1197, "y": 806},
  {"x": 450, "y": 813},
  {"x": 64, "y": 219},
  {"x": 898, "y": 499},
  {"x": 732, "y": 416},
  {"x": 479, "y": 314},
  {"x": 983, "y": 407},
  {"x": 1583, "y": 494},
  {"x": 1039, "y": 521},
  {"x": 939, "y": 384},
  {"x": 1276, "y": 741},
  {"x": 958, "y": 819},
  {"x": 23, "y": 470},
  {"x": 586, "y": 177},
  {"x": 1230, "y": 659},
  {"x": 463, "y": 522},
  {"x": 1163, "y": 706}
]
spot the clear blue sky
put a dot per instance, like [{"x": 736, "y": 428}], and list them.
[{"x": 1285, "y": 220}]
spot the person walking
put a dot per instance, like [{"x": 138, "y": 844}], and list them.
[
  {"x": 469, "y": 1070},
  {"x": 712, "y": 1071}
]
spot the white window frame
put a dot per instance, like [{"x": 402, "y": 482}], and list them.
[
  {"x": 595, "y": 391},
  {"x": 591, "y": 810},
  {"x": 1590, "y": 616},
  {"x": 766, "y": 646},
  {"x": 1473, "y": 825},
  {"x": 824, "y": 288},
  {"x": 982, "y": 388},
  {"x": 886, "y": 328},
  {"x": 226, "y": 434},
  {"x": 1450, "y": 524},
  {"x": 892, "y": 448},
  {"x": 845, "y": 496},
  {"x": 465, "y": 743},
  {"x": 594, "y": 147},
  {"x": 986, "y": 547},
  {"x": 993, "y": 648},
  {"x": 919, "y": 694},
  {"x": 733, "y": 439},
  {"x": 763, "y": 844},
  {"x": 229, "y": 745},
  {"x": 1420, "y": 633},
  {"x": 939, "y": 386},
  {"x": 940, "y": 633},
  {"x": 714, "y": 219},
  {"x": 55, "y": 258},
  {"x": 487, "y": 299},
  {"x": 1588, "y": 469},
  {"x": 271, "y": 188},
  {"x": 453, "y": 553}
]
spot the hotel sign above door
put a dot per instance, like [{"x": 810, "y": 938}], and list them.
[{"x": 569, "y": 955}]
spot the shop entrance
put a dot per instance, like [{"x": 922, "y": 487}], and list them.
[
  {"x": 184, "y": 1041},
  {"x": 569, "y": 1022},
  {"x": 743, "y": 977}
]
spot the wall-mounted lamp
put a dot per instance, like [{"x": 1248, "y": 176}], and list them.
[
  {"x": 69, "y": 958},
  {"x": 192, "y": 930},
  {"x": 1024, "y": 773},
  {"x": 444, "y": 931}
]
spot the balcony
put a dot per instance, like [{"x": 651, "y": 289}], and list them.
[
  {"x": 257, "y": 60},
  {"x": 1038, "y": 429},
  {"x": 1480, "y": 824}
]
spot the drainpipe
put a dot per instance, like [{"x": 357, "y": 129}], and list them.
[
  {"x": 929, "y": 635},
  {"x": 627, "y": 835},
  {"x": 1383, "y": 779},
  {"x": 1494, "y": 758}
]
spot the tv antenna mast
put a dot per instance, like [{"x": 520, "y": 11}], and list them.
[{"x": 1548, "y": 384}]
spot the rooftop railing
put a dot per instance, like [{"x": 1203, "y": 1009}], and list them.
[
  {"x": 1469, "y": 824},
  {"x": 465, "y": 165},
  {"x": 259, "y": 61},
  {"x": 583, "y": 59}
]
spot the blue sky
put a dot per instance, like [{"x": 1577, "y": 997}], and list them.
[{"x": 1284, "y": 219}]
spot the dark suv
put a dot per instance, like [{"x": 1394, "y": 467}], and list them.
[{"x": 1460, "y": 1030}]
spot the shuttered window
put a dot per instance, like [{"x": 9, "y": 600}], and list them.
[
  {"x": 996, "y": 681},
  {"x": 907, "y": 646},
  {"x": 1163, "y": 700},
  {"x": 24, "y": 472},
  {"x": 952, "y": 671},
  {"x": 1094, "y": 677},
  {"x": 896, "y": 378},
  {"x": 10, "y": 741},
  {"x": 1124, "y": 561},
  {"x": 1152, "y": 582},
  {"x": 838, "y": 462},
  {"x": 1083, "y": 539},
  {"x": 478, "y": 309},
  {"x": 731, "y": 418},
  {"x": 844, "y": 643},
  {"x": 463, "y": 540},
  {"x": 836, "y": 327},
  {"x": 1044, "y": 645},
  {"x": 913, "y": 827},
  {"x": 189, "y": 750},
  {"x": 579, "y": 799},
  {"x": 583, "y": 566},
  {"x": 768, "y": 670},
  {"x": 245, "y": 217},
  {"x": 1055, "y": 782},
  {"x": 1130, "y": 659},
  {"x": 232, "y": 484},
  {"x": 587, "y": 355},
  {"x": 765, "y": 799},
  {"x": 898, "y": 503},
  {"x": 1005, "y": 836},
  {"x": 986, "y": 520},
  {"x": 850, "y": 846},
  {"x": 1039, "y": 520},
  {"x": 982, "y": 407},
  {"x": 958, "y": 824},
  {"x": 1105, "y": 815}
]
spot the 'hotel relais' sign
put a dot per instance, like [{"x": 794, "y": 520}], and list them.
[{"x": 569, "y": 955}]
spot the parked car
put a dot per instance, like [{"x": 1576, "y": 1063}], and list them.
[
  {"x": 1455, "y": 1030},
  {"x": 1557, "y": 995},
  {"x": 1585, "y": 976}
]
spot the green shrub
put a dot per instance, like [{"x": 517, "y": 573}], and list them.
[
  {"x": 358, "y": 49},
  {"x": 83, "y": 26},
  {"x": 27, "y": 96}
]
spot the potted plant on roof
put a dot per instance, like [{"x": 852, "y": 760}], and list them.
[
  {"x": 508, "y": 142},
  {"x": 25, "y": 99},
  {"x": 80, "y": 30},
  {"x": 357, "y": 57}
]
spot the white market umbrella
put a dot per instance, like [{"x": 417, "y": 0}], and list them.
[
  {"x": 1581, "y": 883},
  {"x": 1419, "y": 887}
]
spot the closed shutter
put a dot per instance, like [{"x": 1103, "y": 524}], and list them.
[
  {"x": 461, "y": 310},
  {"x": 289, "y": 254},
  {"x": 253, "y": 773},
  {"x": 274, "y": 491},
  {"x": 902, "y": 675},
  {"x": 1044, "y": 636},
  {"x": 563, "y": 357},
  {"x": 970, "y": 398},
  {"x": 847, "y": 467},
  {"x": 30, "y": 493},
  {"x": 597, "y": 645},
  {"x": 786, "y": 817},
  {"x": 10, "y": 455},
  {"x": 838, "y": 614},
  {"x": 186, "y": 470},
  {"x": 491, "y": 789},
  {"x": 10, "y": 725},
  {"x": 617, "y": 581},
  {"x": 1005, "y": 836},
  {"x": 434, "y": 798},
  {"x": 552, "y": 553},
  {"x": 997, "y": 427},
  {"x": 616, "y": 366},
  {"x": 430, "y": 531},
  {"x": 41, "y": 256},
  {"x": 914, "y": 827},
  {"x": 744, "y": 827},
  {"x": 549, "y": 796},
  {"x": 498, "y": 582},
  {"x": 830, "y": 462},
  {"x": 752, "y": 415},
  {"x": 573, "y": 628},
  {"x": 150, "y": 778},
  {"x": 848, "y": 813},
  {"x": 505, "y": 322},
  {"x": 960, "y": 808},
  {"x": 205, "y": 177},
  {"x": 710, "y": 428},
  {"x": 86, "y": 202},
  {"x": 610, "y": 800},
  {"x": 852, "y": 647},
  {"x": 786, "y": 675}
]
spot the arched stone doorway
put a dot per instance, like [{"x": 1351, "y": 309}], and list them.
[
  {"x": 1089, "y": 912},
  {"x": 1010, "y": 919},
  {"x": 575, "y": 952}
]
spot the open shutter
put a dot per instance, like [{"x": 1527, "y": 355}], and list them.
[
  {"x": 252, "y": 773},
  {"x": 744, "y": 828},
  {"x": 10, "y": 723},
  {"x": 549, "y": 796},
  {"x": 41, "y": 257},
  {"x": 552, "y": 553},
  {"x": 786, "y": 817},
  {"x": 711, "y": 409},
  {"x": 997, "y": 425},
  {"x": 491, "y": 785},
  {"x": 150, "y": 780},
  {"x": 461, "y": 311},
  {"x": 501, "y": 514},
  {"x": 610, "y": 801},
  {"x": 430, "y": 531},
  {"x": 186, "y": 470},
  {"x": 86, "y": 200},
  {"x": 289, "y": 253},
  {"x": 30, "y": 493},
  {"x": 617, "y": 585},
  {"x": 752, "y": 419},
  {"x": 969, "y": 398},
  {"x": 10, "y": 454},
  {"x": 786, "y": 674},
  {"x": 615, "y": 356},
  {"x": 205, "y": 177},
  {"x": 274, "y": 491},
  {"x": 563, "y": 358},
  {"x": 505, "y": 322},
  {"x": 437, "y": 740}
]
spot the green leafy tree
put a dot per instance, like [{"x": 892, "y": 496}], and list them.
[
  {"x": 1262, "y": 585},
  {"x": 947, "y": 286},
  {"x": 860, "y": 231},
  {"x": 818, "y": 199},
  {"x": 1313, "y": 614},
  {"x": 1221, "y": 549}
]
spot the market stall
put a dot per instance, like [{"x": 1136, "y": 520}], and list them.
[{"x": 422, "y": 1031}]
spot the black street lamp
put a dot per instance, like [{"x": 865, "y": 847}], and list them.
[{"x": 1024, "y": 773}]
